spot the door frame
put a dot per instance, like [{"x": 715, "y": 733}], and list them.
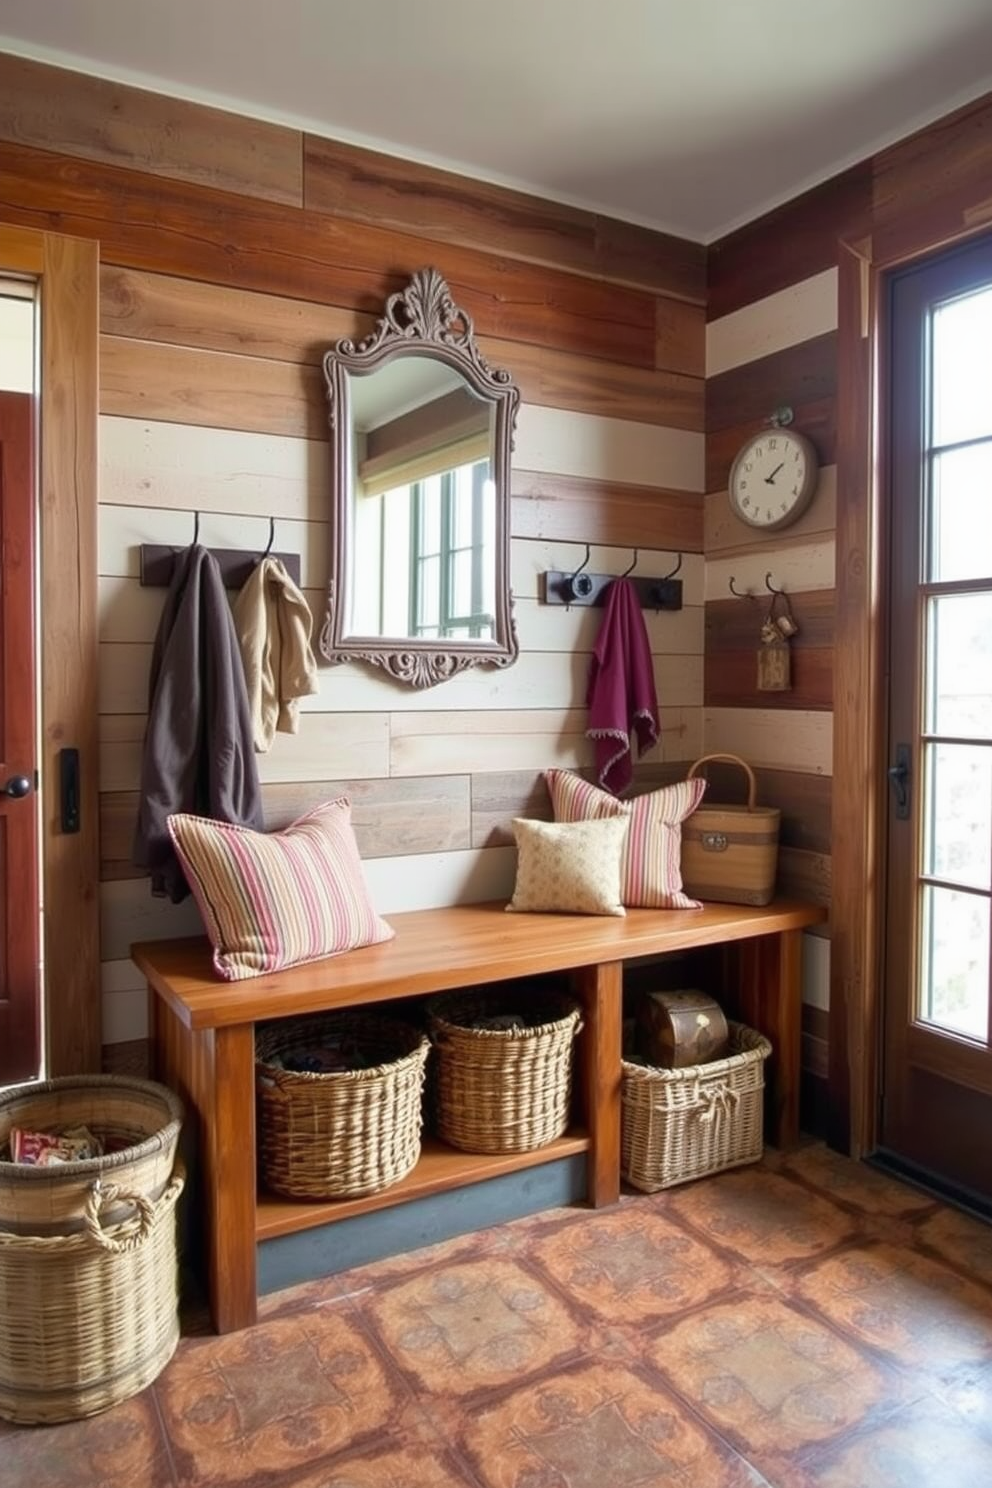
[
  {"x": 860, "y": 789},
  {"x": 68, "y": 272}
]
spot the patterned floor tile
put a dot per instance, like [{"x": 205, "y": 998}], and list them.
[
  {"x": 280, "y": 1395},
  {"x": 122, "y": 1447},
  {"x": 762, "y": 1217},
  {"x": 632, "y": 1265},
  {"x": 771, "y": 1378},
  {"x": 855, "y": 1184},
  {"x": 595, "y": 1426},
  {"x": 916, "y": 1310},
  {"x": 965, "y": 1242},
  {"x": 476, "y": 1325},
  {"x": 922, "y": 1446},
  {"x": 394, "y": 1467}
]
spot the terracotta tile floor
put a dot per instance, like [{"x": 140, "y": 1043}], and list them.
[{"x": 801, "y": 1322}]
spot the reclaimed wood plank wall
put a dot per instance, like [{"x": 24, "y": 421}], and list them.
[{"x": 233, "y": 254}]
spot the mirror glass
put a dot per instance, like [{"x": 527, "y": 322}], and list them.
[{"x": 421, "y": 431}]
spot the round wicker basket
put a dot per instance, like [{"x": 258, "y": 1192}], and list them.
[
  {"x": 89, "y": 1318},
  {"x": 340, "y": 1134},
  {"x": 503, "y": 1089},
  {"x": 139, "y": 1117}
]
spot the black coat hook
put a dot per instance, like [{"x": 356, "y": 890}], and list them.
[
  {"x": 196, "y": 528},
  {"x": 579, "y": 585},
  {"x": 630, "y": 570},
  {"x": 770, "y": 586},
  {"x": 738, "y": 593},
  {"x": 675, "y": 571},
  {"x": 272, "y": 537}
]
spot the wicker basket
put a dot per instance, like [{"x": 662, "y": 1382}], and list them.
[
  {"x": 89, "y": 1318},
  {"x": 684, "y": 1123},
  {"x": 730, "y": 853},
  {"x": 503, "y": 1090},
  {"x": 140, "y": 1114},
  {"x": 339, "y": 1135}
]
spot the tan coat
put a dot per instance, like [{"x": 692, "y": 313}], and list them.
[{"x": 274, "y": 626}]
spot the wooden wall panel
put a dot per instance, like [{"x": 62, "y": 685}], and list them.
[
  {"x": 574, "y": 509},
  {"x": 246, "y": 243},
  {"x": 680, "y": 337},
  {"x": 367, "y": 186},
  {"x": 731, "y": 680},
  {"x": 732, "y": 625},
  {"x": 790, "y": 316},
  {"x": 788, "y": 244},
  {"x": 499, "y": 796},
  {"x": 95, "y": 119},
  {"x": 803, "y": 799},
  {"x": 799, "y": 375},
  {"x": 724, "y": 532},
  {"x": 935, "y": 186},
  {"x": 818, "y": 421}
]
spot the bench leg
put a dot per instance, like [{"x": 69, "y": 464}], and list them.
[
  {"x": 214, "y": 1073},
  {"x": 769, "y": 972},
  {"x": 599, "y": 988}
]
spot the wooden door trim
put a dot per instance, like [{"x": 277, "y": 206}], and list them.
[{"x": 68, "y": 269}]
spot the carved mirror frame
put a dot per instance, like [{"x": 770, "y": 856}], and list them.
[{"x": 422, "y": 320}]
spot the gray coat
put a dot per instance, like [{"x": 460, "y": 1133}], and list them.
[{"x": 198, "y": 752}]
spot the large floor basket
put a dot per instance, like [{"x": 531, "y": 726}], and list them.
[
  {"x": 339, "y": 1134},
  {"x": 88, "y": 1272},
  {"x": 503, "y": 1089},
  {"x": 681, "y": 1124}
]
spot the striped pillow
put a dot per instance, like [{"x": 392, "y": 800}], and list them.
[
  {"x": 275, "y": 899},
  {"x": 651, "y": 868}
]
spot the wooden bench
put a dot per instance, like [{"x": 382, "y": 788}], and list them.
[{"x": 203, "y": 1042}]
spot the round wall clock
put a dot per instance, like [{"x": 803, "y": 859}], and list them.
[{"x": 773, "y": 478}]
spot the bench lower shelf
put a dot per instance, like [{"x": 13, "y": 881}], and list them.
[{"x": 440, "y": 1167}]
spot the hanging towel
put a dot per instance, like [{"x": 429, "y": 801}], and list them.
[
  {"x": 274, "y": 625},
  {"x": 198, "y": 754},
  {"x": 621, "y": 697}
]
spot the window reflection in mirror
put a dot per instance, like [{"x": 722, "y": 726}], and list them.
[{"x": 423, "y": 505}]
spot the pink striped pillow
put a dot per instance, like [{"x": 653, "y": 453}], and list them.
[
  {"x": 275, "y": 899},
  {"x": 651, "y": 865}
]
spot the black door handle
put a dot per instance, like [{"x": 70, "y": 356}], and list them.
[
  {"x": 899, "y": 780},
  {"x": 17, "y": 786}
]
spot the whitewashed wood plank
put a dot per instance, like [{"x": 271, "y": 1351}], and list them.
[
  {"x": 724, "y": 532},
  {"x": 531, "y": 557},
  {"x": 816, "y": 971},
  {"x": 542, "y": 627},
  {"x": 124, "y": 1016},
  {"x": 120, "y": 976},
  {"x": 780, "y": 320},
  {"x": 129, "y": 613},
  {"x": 775, "y": 738},
  {"x": 810, "y": 566},
  {"x": 146, "y": 462},
  {"x": 122, "y": 530},
  {"x": 430, "y": 880},
  {"x": 560, "y": 442},
  {"x": 129, "y": 912}
]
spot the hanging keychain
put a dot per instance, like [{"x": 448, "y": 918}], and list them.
[{"x": 774, "y": 653}]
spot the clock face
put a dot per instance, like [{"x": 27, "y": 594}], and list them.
[{"x": 773, "y": 479}]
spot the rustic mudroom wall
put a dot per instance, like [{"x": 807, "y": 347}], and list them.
[{"x": 233, "y": 254}]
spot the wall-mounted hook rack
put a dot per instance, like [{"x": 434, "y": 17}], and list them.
[
  {"x": 157, "y": 562},
  {"x": 582, "y": 588},
  {"x": 739, "y": 593}
]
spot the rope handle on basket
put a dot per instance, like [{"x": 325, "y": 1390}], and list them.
[
  {"x": 720, "y": 1100},
  {"x": 730, "y": 759},
  {"x": 99, "y": 1197}
]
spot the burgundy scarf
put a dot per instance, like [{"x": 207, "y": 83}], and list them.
[{"x": 621, "y": 697}]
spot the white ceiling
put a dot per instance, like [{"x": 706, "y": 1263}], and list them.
[{"x": 687, "y": 115}]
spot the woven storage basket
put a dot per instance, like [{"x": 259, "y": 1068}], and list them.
[
  {"x": 730, "y": 853},
  {"x": 338, "y": 1135},
  {"x": 503, "y": 1090},
  {"x": 140, "y": 1114},
  {"x": 89, "y": 1318},
  {"x": 684, "y": 1123}
]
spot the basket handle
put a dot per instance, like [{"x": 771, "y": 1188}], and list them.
[
  {"x": 720, "y": 1101},
  {"x": 730, "y": 759},
  {"x": 98, "y": 1198}
]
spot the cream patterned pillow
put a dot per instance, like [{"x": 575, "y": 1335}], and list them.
[
  {"x": 651, "y": 867},
  {"x": 569, "y": 867}
]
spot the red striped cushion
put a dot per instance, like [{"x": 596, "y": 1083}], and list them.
[
  {"x": 651, "y": 866},
  {"x": 275, "y": 899}
]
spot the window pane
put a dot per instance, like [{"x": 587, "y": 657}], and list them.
[
  {"x": 954, "y": 974},
  {"x": 961, "y": 514},
  {"x": 429, "y": 607},
  {"x": 958, "y": 826},
  {"x": 430, "y": 515},
  {"x": 461, "y": 582},
  {"x": 962, "y": 379},
  {"x": 461, "y": 525},
  {"x": 959, "y": 666}
]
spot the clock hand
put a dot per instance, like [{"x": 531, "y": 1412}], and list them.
[{"x": 770, "y": 479}]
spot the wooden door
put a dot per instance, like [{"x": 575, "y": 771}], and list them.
[
  {"x": 936, "y": 1116},
  {"x": 20, "y": 979}
]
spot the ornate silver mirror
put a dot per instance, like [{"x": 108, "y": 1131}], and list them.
[{"x": 421, "y": 438}]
